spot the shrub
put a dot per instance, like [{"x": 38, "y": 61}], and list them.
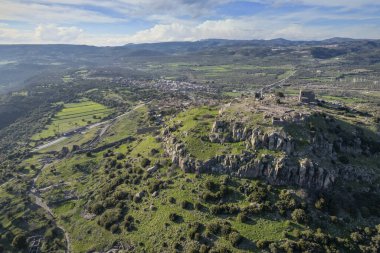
[
  {"x": 97, "y": 208},
  {"x": 120, "y": 156},
  {"x": 19, "y": 241},
  {"x": 203, "y": 249},
  {"x": 174, "y": 217},
  {"x": 51, "y": 233},
  {"x": 242, "y": 217},
  {"x": 109, "y": 218},
  {"x": 115, "y": 229},
  {"x": 344, "y": 159},
  {"x": 155, "y": 186},
  {"x": 320, "y": 204},
  {"x": 299, "y": 215},
  {"x": 213, "y": 228},
  {"x": 212, "y": 186},
  {"x": 262, "y": 244},
  {"x": 186, "y": 205},
  {"x": 225, "y": 229},
  {"x": 224, "y": 209},
  {"x": 120, "y": 195},
  {"x": 172, "y": 200},
  {"x": 259, "y": 194},
  {"x": 129, "y": 223},
  {"x": 145, "y": 162},
  {"x": 235, "y": 238},
  {"x": 154, "y": 151},
  {"x": 198, "y": 206}
]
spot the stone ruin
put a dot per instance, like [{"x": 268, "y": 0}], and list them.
[{"x": 306, "y": 96}]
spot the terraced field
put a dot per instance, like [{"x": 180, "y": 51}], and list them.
[{"x": 72, "y": 116}]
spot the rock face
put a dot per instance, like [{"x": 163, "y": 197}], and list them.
[
  {"x": 275, "y": 170},
  {"x": 287, "y": 166},
  {"x": 255, "y": 139},
  {"x": 273, "y": 141}
]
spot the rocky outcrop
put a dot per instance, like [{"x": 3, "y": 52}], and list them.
[
  {"x": 222, "y": 132},
  {"x": 275, "y": 170},
  {"x": 288, "y": 167},
  {"x": 272, "y": 141}
]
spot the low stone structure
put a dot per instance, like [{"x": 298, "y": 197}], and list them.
[{"x": 306, "y": 96}]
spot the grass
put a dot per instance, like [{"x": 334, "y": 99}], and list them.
[
  {"x": 82, "y": 231},
  {"x": 343, "y": 99},
  {"x": 126, "y": 125},
  {"x": 72, "y": 116},
  {"x": 77, "y": 139},
  {"x": 86, "y": 183}
]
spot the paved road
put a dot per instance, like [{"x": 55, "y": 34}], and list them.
[{"x": 276, "y": 84}]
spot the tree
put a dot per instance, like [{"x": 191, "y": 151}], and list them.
[{"x": 299, "y": 215}]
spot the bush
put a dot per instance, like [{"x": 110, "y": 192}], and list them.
[
  {"x": 225, "y": 229},
  {"x": 109, "y": 218},
  {"x": 19, "y": 241},
  {"x": 174, "y": 217},
  {"x": 344, "y": 159},
  {"x": 120, "y": 156},
  {"x": 145, "y": 162},
  {"x": 213, "y": 228},
  {"x": 235, "y": 238},
  {"x": 320, "y": 204},
  {"x": 259, "y": 194},
  {"x": 204, "y": 249},
  {"x": 299, "y": 215},
  {"x": 51, "y": 233},
  {"x": 129, "y": 223},
  {"x": 97, "y": 208},
  {"x": 224, "y": 209},
  {"x": 115, "y": 229},
  {"x": 280, "y": 94},
  {"x": 172, "y": 200},
  {"x": 154, "y": 151},
  {"x": 262, "y": 244},
  {"x": 120, "y": 195},
  {"x": 211, "y": 186},
  {"x": 155, "y": 186},
  {"x": 242, "y": 217},
  {"x": 187, "y": 205},
  {"x": 198, "y": 206}
]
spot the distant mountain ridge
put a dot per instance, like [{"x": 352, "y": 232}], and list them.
[{"x": 20, "y": 62}]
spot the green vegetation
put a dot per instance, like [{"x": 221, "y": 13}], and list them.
[
  {"x": 273, "y": 175},
  {"x": 72, "y": 116}
]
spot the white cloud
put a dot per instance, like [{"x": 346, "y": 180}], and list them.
[
  {"x": 10, "y": 35},
  {"x": 33, "y": 12},
  {"x": 324, "y": 3},
  {"x": 55, "y": 34},
  {"x": 240, "y": 28},
  {"x": 64, "y": 21},
  {"x": 243, "y": 28}
]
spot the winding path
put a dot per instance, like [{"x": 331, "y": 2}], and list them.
[
  {"x": 34, "y": 194},
  {"x": 276, "y": 84}
]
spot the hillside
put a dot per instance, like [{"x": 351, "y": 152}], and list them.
[{"x": 209, "y": 146}]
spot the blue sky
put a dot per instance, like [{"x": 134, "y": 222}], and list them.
[{"x": 117, "y": 22}]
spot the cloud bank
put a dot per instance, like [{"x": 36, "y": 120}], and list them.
[{"x": 118, "y": 22}]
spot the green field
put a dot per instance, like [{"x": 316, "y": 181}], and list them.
[{"x": 72, "y": 116}]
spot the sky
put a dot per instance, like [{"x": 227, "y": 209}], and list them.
[{"x": 119, "y": 22}]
